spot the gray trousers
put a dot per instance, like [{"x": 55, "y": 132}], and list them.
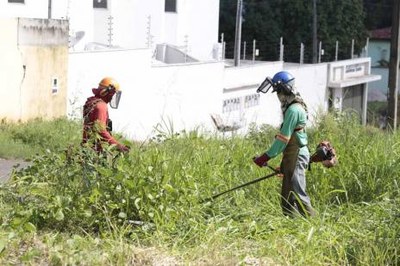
[{"x": 294, "y": 197}]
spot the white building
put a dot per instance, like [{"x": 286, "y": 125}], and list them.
[
  {"x": 163, "y": 53},
  {"x": 190, "y": 26}
]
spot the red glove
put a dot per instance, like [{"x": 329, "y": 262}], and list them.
[
  {"x": 261, "y": 160},
  {"x": 280, "y": 174}
]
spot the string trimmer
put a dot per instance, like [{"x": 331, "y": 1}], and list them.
[{"x": 243, "y": 185}]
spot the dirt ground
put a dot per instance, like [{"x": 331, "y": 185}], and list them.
[{"x": 7, "y": 166}]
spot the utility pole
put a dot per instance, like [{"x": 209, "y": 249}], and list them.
[
  {"x": 394, "y": 67},
  {"x": 314, "y": 39},
  {"x": 238, "y": 32}
]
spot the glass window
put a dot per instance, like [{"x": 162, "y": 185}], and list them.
[
  {"x": 99, "y": 3},
  {"x": 17, "y": 1},
  {"x": 170, "y": 5}
]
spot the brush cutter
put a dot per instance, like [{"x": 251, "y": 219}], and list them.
[{"x": 276, "y": 172}]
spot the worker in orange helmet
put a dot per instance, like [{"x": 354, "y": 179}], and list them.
[{"x": 97, "y": 125}]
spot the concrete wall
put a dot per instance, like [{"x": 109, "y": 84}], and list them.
[
  {"x": 31, "y": 9},
  {"x": 34, "y": 53},
  {"x": 198, "y": 27},
  {"x": 185, "y": 96},
  {"x": 311, "y": 82},
  {"x": 134, "y": 24},
  {"x": 144, "y": 23},
  {"x": 242, "y": 82}
]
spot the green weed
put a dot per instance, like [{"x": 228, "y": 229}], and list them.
[{"x": 78, "y": 207}]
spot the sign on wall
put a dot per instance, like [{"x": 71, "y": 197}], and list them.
[{"x": 238, "y": 103}]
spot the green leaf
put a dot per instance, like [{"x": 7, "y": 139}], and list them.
[
  {"x": 3, "y": 244},
  {"x": 59, "y": 216},
  {"x": 137, "y": 200},
  {"x": 122, "y": 215},
  {"x": 87, "y": 213},
  {"x": 169, "y": 188},
  {"x": 29, "y": 227}
]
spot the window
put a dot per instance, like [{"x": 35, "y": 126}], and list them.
[
  {"x": 170, "y": 5},
  {"x": 17, "y": 1},
  {"x": 99, "y": 3}
]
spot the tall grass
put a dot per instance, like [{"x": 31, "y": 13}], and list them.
[
  {"x": 149, "y": 203},
  {"x": 25, "y": 140}
]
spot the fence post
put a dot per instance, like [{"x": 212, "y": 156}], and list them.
[
  {"x": 366, "y": 47},
  {"x": 223, "y": 46},
  {"x": 352, "y": 48},
  {"x": 186, "y": 37},
  {"x": 254, "y": 50},
  {"x": 223, "y": 50},
  {"x": 244, "y": 50},
  {"x": 281, "y": 48},
  {"x": 301, "y": 53},
  {"x": 319, "y": 52},
  {"x": 336, "y": 50}
]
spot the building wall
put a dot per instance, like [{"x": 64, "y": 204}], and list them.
[
  {"x": 380, "y": 87},
  {"x": 134, "y": 24},
  {"x": 145, "y": 19},
  {"x": 11, "y": 70},
  {"x": 379, "y": 50},
  {"x": 35, "y": 53},
  {"x": 198, "y": 27},
  {"x": 311, "y": 82},
  {"x": 31, "y": 9},
  {"x": 185, "y": 96}
]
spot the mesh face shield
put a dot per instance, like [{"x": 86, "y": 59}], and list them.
[
  {"x": 278, "y": 87},
  {"x": 265, "y": 86},
  {"x": 115, "y": 100}
]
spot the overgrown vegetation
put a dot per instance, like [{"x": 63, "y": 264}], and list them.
[
  {"x": 75, "y": 207},
  {"x": 25, "y": 140}
]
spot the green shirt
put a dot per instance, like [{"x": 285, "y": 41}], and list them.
[{"x": 295, "y": 118}]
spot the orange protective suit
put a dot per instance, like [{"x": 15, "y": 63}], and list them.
[{"x": 95, "y": 119}]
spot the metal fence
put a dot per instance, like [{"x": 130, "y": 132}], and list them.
[{"x": 301, "y": 53}]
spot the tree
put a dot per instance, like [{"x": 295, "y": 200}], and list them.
[
  {"x": 268, "y": 20},
  {"x": 341, "y": 21},
  {"x": 297, "y": 28},
  {"x": 262, "y": 24},
  {"x": 378, "y": 13}
]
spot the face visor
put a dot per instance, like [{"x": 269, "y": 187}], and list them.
[
  {"x": 278, "y": 87},
  {"x": 265, "y": 86},
  {"x": 115, "y": 100}
]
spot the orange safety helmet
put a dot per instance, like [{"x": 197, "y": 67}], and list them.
[{"x": 108, "y": 85}]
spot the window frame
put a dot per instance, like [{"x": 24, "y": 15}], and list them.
[
  {"x": 103, "y": 4},
  {"x": 170, "y": 6},
  {"x": 16, "y": 1}
]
